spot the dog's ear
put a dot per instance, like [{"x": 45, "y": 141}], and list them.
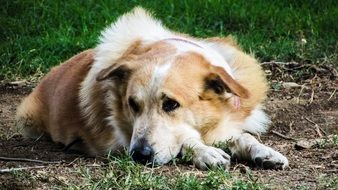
[
  {"x": 115, "y": 72},
  {"x": 221, "y": 82}
]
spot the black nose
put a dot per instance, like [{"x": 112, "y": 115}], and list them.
[{"x": 142, "y": 152}]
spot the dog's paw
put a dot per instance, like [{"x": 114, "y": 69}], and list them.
[
  {"x": 207, "y": 156},
  {"x": 267, "y": 158}
]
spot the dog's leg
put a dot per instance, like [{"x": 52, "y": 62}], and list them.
[
  {"x": 205, "y": 156},
  {"x": 245, "y": 146}
]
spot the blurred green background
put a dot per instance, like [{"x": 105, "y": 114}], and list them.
[{"x": 38, "y": 34}]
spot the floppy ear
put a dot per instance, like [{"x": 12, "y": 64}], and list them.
[
  {"x": 220, "y": 81},
  {"x": 226, "y": 47},
  {"x": 114, "y": 72}
]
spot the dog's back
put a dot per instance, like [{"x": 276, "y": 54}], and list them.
[{"x": 52, "y": 106}]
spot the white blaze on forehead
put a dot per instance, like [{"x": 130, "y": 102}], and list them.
[
  {"x": 185, "y": 45},
  {"x": 159, "y": 73}
]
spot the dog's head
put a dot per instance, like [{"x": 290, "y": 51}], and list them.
[{"x": 171, "y": 89}]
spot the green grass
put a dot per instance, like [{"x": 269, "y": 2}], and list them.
[
  {"x": 330, "y": 141},
  {"x": 37, "y": 34},
  {"x": 123, "y": 173}
]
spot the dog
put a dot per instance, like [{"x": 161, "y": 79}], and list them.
[{"x": 157, "y": 93}]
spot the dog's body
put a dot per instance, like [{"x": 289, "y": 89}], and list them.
[{"x": 155, "y": 93}]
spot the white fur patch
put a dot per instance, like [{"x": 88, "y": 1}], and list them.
[
  {"x": 159, "y": 73},
  {"x": 257, "y": 122},
  {"x": 135, "y": 25},
  {"x": 203, "y": 49}
]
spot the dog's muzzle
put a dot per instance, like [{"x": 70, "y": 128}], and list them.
[{"x": 142, "y": 152}]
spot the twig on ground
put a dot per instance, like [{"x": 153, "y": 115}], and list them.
[
  {"x": 30, "y": 160},
  {"x": 96, "y": 165},
  {"x": 300, "y": 93},
  {"x": 277, "y": 63},
  {"x": 317, "y": 128},
  {"x": 290, "y": 127},
  {"x": 242, "y": 168},
  {"x": 72, "y": 162},
  {"x": 37, "y": 139},
  {"x": 312, "y": 96},
  {"x": 282, "y": 136},
  {"x": 7, "y": 170},
  {"x": 332, "y": 94},
  {"x": 273, "y": 62},
  {"x": 285, "y": 65}
]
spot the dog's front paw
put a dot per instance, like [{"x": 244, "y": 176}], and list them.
[
  {"x": 208, "y": 156},
  {"x": 268, "y": 158}
]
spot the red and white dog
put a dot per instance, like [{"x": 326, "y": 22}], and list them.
[{"x": 156, "y": 93}]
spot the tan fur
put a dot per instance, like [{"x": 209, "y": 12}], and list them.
[
  {"x": 52, "y": 106},
  {"x": 58, "y": 117},
  {"x": 88, "y": 97}
]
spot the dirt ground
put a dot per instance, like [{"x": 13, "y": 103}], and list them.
[{"x": 305, "y": 109}]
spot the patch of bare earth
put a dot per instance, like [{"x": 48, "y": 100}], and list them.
[{"x": 303, "y": 107}]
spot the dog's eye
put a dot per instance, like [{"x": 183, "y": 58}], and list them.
[
  {"x": 170, "y": 105},
  {"x": 134, "y": 106}
]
